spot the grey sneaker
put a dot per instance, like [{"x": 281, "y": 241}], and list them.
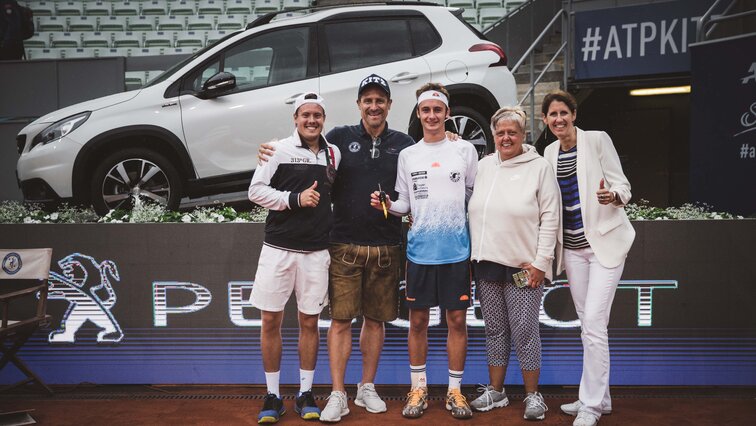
[
  {"x": 573, "y": 408},
  {"x": 368, "y": 398},
  {"x": 535, "y": 408},
  {"x": 489, "y": 399},
  {"x": 417, "y": 402},
  {"x": 585, "y": 418},
  {"x": 335, "y": 408}
]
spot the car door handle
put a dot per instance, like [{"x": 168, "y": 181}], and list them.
[
  {"x": 292, "y": 99},
  {"x": 404, "y": 76}
]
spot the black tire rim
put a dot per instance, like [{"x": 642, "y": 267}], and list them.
[{"x": 132, "y": 178}]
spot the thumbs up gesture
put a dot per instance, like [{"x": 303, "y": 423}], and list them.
[
  {"x": 309, "y": 197},
  {"x": 604, "y": 195}
]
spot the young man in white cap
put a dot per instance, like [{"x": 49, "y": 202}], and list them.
[
  {"x": 434, "y": 182},
  {"x": 365, "y": 245},
  {"x": 295, "y": 185}
]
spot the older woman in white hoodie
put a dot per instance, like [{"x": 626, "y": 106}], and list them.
[{"x": 514, "y": 218}]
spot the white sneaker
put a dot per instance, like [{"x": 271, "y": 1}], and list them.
[
  {"x": 368, "y": 398},
  {"x": 573, "y": 408},
  {"x": 335, "y": 408},
  {"x": 585, "y": 418},
  {"x": 535, "y": 408}
]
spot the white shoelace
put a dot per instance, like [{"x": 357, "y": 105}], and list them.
[
  {"x": 485, "y": 391},
  {"x": 535, "y": 399},
  {"x": 340, "y": 399},
  {"x": 368, "y": 392}
]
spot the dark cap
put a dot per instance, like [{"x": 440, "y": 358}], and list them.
[{"x": 374, "y": 80}]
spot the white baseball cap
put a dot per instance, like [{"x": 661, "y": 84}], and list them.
[{"x": 309, "y": 98}]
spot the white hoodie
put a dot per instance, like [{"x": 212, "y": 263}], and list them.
[{"x": 514, "y": 211}]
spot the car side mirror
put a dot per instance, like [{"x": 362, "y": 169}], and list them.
[{"x": 218, "y": 84}]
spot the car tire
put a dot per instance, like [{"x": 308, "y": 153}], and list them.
[
  {"x": 133, "y": 172},
  {"x": 473, "y": 127},
  {"x": 468, "y": 123}
]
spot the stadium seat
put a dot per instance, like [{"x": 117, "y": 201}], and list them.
[
  {"x": 112, "y": 23},
  {"x": 514, "y": 4},
  {"x": 65, "y": 40},
  {"x": 190, "y": 39},
  {"x": 82, "y": 52},
  {"x": 239, "y": 7},
  {"x": 159, "y": 38},
  {"x": 82, "y": 23},
  {"x": 231, "y": 22},
  {"x": 467, "y": 4},
  {"x": 42, "y": 8},
  {"x": 484, "y": 4},
  {"x": 125, "y": 8},
  {"x": 210, "y": 7},
  {"x": 438, "y": 2},
  {"x": 200, "y": 23},
  {"x": 182, "y": 7},
  {"x": 147, "y": 51},
  {"x": 69, "y": 8},
  {"x": 470, "y": 15},
  {"x": 114, "y": 51},
  {"x": 52, "y": 23},
  {"x": 154, "y": 7},
  {"x": 267, "y": 6},
  {"x": 97, "y": 39},
  {"x": 171, "y": 23},
  {"x": 98, "y": 8},
  {"x": 181, "y": 51},
  {"x": 214, "y": 36},
  {"x": 140, "y": 23},
  {"x": 490, "y": 15},
  {"x": 35, "y": 53},
  {"x": 294, "y": 4},
  {"x": 39, "y": 40},
  {"x": 135, "y": 79},
  {"x": 127, "y": 39}
]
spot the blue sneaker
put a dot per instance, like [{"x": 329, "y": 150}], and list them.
[
  {"x": 272, "y": 409},
  {"x": 306, "y": 407}
]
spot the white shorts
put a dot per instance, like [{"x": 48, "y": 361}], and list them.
[{"x": 281, "y": 271}]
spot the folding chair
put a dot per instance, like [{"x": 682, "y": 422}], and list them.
[{"x": 28, "y": 265}]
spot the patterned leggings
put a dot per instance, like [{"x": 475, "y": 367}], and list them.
[{"x": 511, "y": 314}]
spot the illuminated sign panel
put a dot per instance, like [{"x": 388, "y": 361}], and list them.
[{"x": 157, "y": 307}]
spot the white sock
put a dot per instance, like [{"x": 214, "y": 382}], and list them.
[
  {"x": 455, "y": 379},
  {"x": 273, "y": 380},
  {"x": 306, "y": 378},
  {"x": 417, "y": 376}
]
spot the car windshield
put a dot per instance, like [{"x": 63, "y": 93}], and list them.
[{"x": 172, "y": 70}]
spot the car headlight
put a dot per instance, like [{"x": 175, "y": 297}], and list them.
[{"x": 59, "y": 129}]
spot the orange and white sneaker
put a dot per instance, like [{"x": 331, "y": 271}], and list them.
[
  {"x": 457, "y": 404},
  {"x": 417, "y": 402}
]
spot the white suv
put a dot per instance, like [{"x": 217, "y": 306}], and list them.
[{"x": 194, "y": 131}]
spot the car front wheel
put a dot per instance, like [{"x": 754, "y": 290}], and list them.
[{"x": 134, "y": 173}]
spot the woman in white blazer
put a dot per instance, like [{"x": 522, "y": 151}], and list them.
[{"x": 594, "y": 239}]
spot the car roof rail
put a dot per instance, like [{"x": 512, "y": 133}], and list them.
[{"x": 265, "y": 19}]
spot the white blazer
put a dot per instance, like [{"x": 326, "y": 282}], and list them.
[{"x": 607, "y": 228}]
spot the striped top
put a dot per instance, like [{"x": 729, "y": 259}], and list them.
[{"x": 574, "y": 237}]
